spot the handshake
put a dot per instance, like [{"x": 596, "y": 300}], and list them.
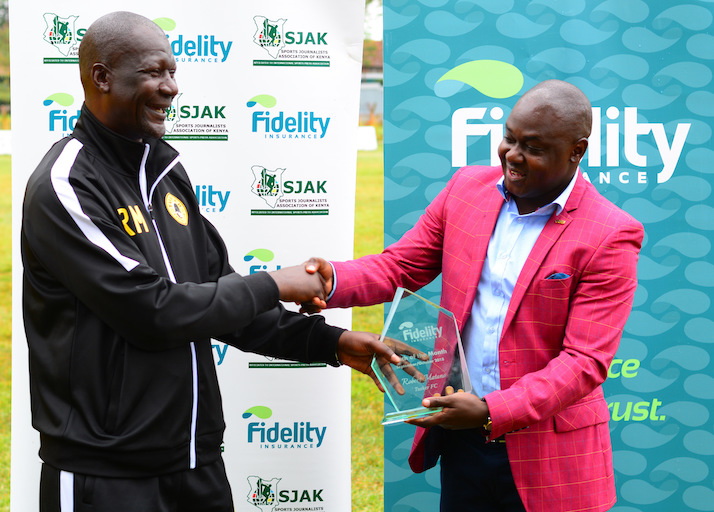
[{"x": 308, "y": 284}]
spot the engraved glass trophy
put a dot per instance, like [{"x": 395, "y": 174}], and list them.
[{"x": 427, "y": 338}]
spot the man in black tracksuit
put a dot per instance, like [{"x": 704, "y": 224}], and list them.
[{"x": 125, "y": 283}]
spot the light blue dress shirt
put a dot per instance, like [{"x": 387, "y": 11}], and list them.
[{"x": 512, "y": 241}]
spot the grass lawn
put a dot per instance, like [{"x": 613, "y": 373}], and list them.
[
  {"x": 5, "y": 330},
  {"x": 367, "y": 435}
]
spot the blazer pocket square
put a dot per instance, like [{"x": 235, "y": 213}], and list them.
[{"x": 558, "y": 275}]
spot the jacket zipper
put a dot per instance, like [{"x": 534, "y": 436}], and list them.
[{"x": 146, "y": 195}]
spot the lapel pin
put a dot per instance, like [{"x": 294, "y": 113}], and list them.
[{"x": 559, "y": 221}]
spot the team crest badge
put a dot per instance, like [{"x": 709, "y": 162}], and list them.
[
  {"x": 269, "y": 35},
  {"x": 176, "y": 209}
]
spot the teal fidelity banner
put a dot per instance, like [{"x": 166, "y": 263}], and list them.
[{"x": 453, "y": 69}]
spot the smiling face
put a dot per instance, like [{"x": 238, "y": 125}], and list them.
[
  {"x": 140, "y": 85},
  {"x": 540, "y": 150}
]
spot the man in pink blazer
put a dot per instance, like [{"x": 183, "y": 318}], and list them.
[{"x": 555, "y": 295}]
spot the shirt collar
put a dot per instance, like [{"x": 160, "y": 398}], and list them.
[{"x": 559, "y": 201}]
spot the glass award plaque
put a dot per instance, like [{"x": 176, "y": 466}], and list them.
[{"x": 427, "y": 339}]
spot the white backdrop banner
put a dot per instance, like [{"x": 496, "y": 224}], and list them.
[{"x": 266, "y": 121}]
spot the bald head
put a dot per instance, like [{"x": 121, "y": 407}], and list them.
[
  {"x": 565, "y": 102},
  {"x": 127, "y": 69},
  {"x": 108, "y": 39},
  {"x": 545, "y": 137}
]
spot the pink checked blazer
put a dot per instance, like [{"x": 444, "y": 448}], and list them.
[{"x": 559, "y": 335}]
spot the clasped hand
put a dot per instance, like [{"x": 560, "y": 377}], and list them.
[
  {"x": 303, "y": 284},
  {"x": 323, "y": 268},
  {"x": 309, "y": 284}
]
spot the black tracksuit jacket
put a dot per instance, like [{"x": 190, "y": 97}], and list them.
[{"x": 125, "y": 283}]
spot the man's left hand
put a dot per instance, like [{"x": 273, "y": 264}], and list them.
[
  {"x": 355, "y": 349},
  {"x": 460, "y": 410}
]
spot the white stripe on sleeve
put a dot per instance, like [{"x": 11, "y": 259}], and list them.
[{"x": 70, "y": 201}]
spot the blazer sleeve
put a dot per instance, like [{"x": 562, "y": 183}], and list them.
[
  {"x": 412, "y": 262},
  {"x": 597, "y": 311}
]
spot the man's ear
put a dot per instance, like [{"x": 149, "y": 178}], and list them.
[
  {"x": 579, "y": 150},
  {"x": 101, "y": 77}
]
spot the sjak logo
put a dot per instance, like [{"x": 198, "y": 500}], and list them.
[
  {"x": 195, "y": 122},
  {"x": 268, "y": 185},
  {"x": 61, "y": 32},
  {"x": 177, "y": 111},
  {"x": 172, "y": 114},
  {"x": 263, "y": 494},
  {"x": 269, "y": 35},
  {"x": 272, "y": 36}
]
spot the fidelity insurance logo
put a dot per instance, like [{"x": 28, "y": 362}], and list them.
[
  {"x": 194, "y": 48},
  {"x": 277, "y": 125},
  {"x": 287, "y": 435},
  {"x": 288, "y": 197},
  {"x": 61, "y": 113},
  {"x": 210, "y": 199},
  {"x": 64, "y": 36},
  {"x": 419, "y": 334},
  {"x": 500, "y": 80},
  {"x": 190, "y": 121},
  {"x": 266, "y": 495},
  {"x": 289, "y": 47}
]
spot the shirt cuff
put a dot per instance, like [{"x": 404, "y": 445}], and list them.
[{"x": 334, "y": 281}]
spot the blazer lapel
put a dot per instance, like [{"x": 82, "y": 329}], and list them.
[
  {"x": 553, "y": 229},
  {"x": 481, "y": 225}
]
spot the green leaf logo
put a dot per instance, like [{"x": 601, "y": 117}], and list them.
[
  {"x": 166, "y": 24},
  {"x": 493, "y": 78},
  {"x": 61, "y": 98},
  {"x": 265, "y": 100},
  {"x": 263, "y": 255},
  {"x": 260, "y": 411}
]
